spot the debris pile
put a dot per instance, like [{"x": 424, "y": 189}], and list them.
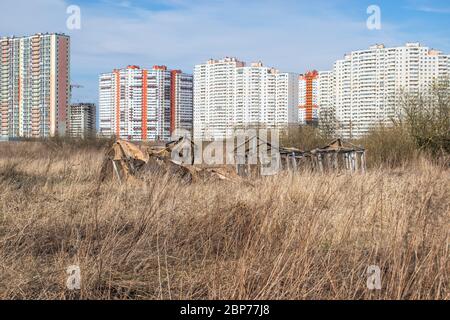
[{"x": 125, "y": 161}]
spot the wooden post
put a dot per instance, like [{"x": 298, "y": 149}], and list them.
[
  {"x": 116, "y": 170},
  {"x": 336, "y": 162},
  {"x": 331, "y": 161},
  {"x": 320, "y": 162},
  {"x": 240, "y": 163},
  {"x": 363, "y": 162},
  {"x": 353, "y": 161},
  {"x": 294, "y": 162}
]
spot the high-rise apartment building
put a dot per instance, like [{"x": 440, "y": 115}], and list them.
[
  {"x": 148, "y": 105},
  {"x": 34, "y": 85},
  {"x": 366, "y": 87},
  {"x": 326, "y": 112},
  {"x": 81, "y": 120},
  {"x": 230, "y": 95},
  {"x": 308, "y": 98}
]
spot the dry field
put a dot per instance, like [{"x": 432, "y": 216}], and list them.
[{"x": 301, "y": 236}]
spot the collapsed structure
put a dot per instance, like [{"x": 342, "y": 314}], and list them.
[
  {"x": 125, "y": 161},
  {"x": 338, "y": 156},
  {"x": 254, "y": 157}
]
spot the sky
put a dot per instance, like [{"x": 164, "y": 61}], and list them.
[{"x": 290, "y": 35}]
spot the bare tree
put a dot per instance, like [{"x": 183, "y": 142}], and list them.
[
  {"x": 328, "y": 123},
  {"x": 426, "y": 116}
]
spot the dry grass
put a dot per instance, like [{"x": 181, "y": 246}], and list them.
[{"x": 290, "y": 237}]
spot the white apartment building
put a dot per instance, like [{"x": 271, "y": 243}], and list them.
[
  {"x": 145, "y": 105},
  {"x": 326, "y": 112},
  {"x": 325, "y": 86},
  {"x": 365, "y": 88},
  {"x": 82, "y": 120},
  {"x": 229, "y": 95},
  {"x": 34, "y": 86}
]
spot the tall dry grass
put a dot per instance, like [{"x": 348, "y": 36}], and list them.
[{"x": 302, "y": 236}]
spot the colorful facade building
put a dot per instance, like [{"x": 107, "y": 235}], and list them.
[
  {"x": 308, "y": 98},
  {"x": 34, "y": 86},
  {"x": 145, "y": 104}
]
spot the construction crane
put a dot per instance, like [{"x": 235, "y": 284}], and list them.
[
  {"x": 78, "y": 86},
  {"x": 74, "y": 86}
]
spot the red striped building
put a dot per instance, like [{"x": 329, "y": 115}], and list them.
[
  {"x": 34, "y": 86},
  {"x": 308, "y": 98},
  {"x": 145, "y": 104}
]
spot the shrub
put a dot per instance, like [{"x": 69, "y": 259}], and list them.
[{"x": 388, "y": 146}]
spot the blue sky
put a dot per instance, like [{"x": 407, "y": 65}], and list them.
[{"x": 291, "y": 35}]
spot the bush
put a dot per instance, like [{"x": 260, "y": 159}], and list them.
[{"x": 388, "y": 146}]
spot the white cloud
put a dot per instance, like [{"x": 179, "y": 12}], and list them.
[{"x": 21, "y": 17}]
